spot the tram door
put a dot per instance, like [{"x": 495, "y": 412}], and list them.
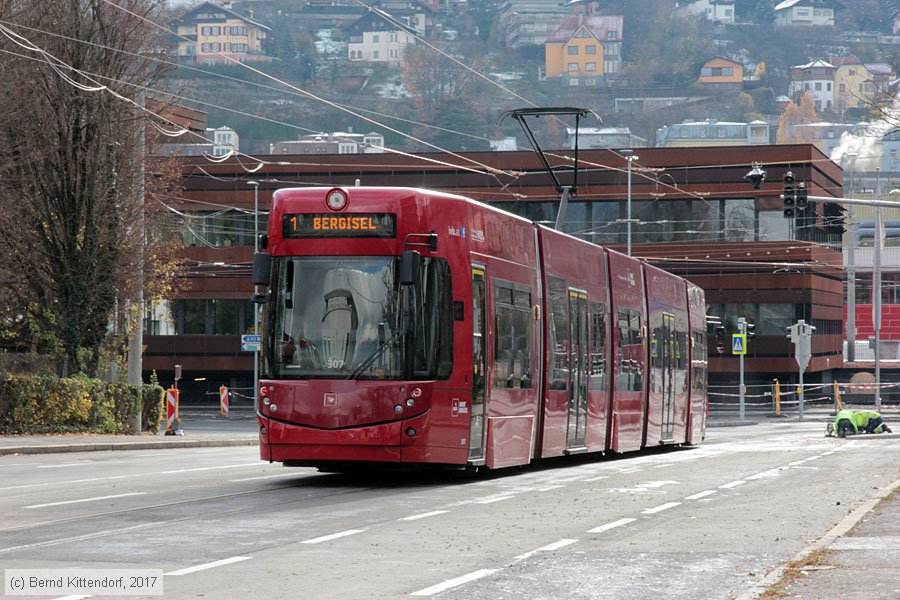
[
  {"x": 579, "y": 371},
  {"x": 479, "y": 376},
  {"x": 667, "y": 360}
]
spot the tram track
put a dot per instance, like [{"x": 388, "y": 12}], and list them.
[{"x": 129, "y": 513}]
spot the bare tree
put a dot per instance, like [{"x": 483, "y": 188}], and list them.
[
  {"x": 70, "y": 176},
  {"x": 442, "y": 91}
]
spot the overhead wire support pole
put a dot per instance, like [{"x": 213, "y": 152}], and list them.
[{"x": 565, "y": 191}]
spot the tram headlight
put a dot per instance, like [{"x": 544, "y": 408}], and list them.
[
  {"x": 273, "y": 407},
  {"x": 410, "y": 402},
  {"x": 336, "y": 199},
  {"x": 416, "y": 392},
  {"x": 398, "y": 409},
  {"x": 410, "y": 432}
]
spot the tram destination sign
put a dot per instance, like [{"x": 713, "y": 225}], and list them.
[{"x": 323, "y": 225}]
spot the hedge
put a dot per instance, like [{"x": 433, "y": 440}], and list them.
[{"x": 41, "y": 404}]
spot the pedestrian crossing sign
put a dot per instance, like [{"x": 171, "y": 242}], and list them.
[{"x": 739, "y": 343}]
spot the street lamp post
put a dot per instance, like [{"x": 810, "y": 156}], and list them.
[
  {"x": 851, "y": 267},
  {"x": 255, "y": 185},
  {"x": 630, "y": 158}
]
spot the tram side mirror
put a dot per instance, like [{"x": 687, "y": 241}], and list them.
[
  {"x": 262, "y": 268},
  {"x": 410, "y": 261}
]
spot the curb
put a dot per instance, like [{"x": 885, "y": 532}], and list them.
[
  {"x": 106, "y": 446},
  {"x": 845, "y": 525}
]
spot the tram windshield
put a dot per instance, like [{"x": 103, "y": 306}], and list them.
[{"x": 348, "y": 318}]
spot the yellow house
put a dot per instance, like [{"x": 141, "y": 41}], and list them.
[
  {"x": 585, "y": 48},
  {"x": 854, "y": 85},
  {"x": 721, "y": 73},
  {"x": 213, "y": 33}
]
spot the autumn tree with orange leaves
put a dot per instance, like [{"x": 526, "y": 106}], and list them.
[{"x": 791, "y": 129}]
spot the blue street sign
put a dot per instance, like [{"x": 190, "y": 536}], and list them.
[
  {"x": 251, "y": 343},
  {"x": 739, "y": 343}
]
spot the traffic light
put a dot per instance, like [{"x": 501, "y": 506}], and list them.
[
  {"x": 834, "y": 219},
  {"x": 720, "y": 339},
  {"x": 751, "y": 330},
  {"x": 802, "y": 196},
  {"x": 789, "y": 196}
]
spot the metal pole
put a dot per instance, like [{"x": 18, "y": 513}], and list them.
[
  {"x": 876, "y": 295},
  {"x": 851, "y": 273},
  {"x": 255, "y": 185},
  {"x": 801, "y": 395},
  {"x": 136, "y": 340},
  {"x": 742, "y": 328},
  {"x": 628, "y": 216}
]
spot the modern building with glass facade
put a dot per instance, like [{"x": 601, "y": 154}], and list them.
[{"x": 692, "y": 212}]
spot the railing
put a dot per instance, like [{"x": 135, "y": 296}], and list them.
[{"x": 765, "y": 399}]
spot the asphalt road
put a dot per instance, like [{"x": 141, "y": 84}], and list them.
[{"x": 707, "y": 522}]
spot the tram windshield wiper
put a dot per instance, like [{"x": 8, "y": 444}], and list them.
[{"x": 375, "y": 354}]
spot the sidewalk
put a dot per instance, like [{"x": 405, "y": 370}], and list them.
[
  {"x": 857, "y": 559},
  {"x": 201, "y": 428}
]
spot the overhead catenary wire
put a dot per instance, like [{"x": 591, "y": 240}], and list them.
[
  {"x": 58, "y": 67},
  {"x": 481, "y": 167},
  {"x": 637, "y": 169}
]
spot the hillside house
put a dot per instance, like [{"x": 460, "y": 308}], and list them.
[
  {"x": 718, "y": 11},
  {"x": 817, "y": 78},
  {"x": 381, "y": 35},
  {"x": 585, "y": 50},
  {"x": 331, "y": 143},
  {"x": 530, "y": 22},
  {"x": 212, "y": 33},
  {"x": 712, "y": 132},
  {"x": 721, "y": 74},
  {"x": 807, "y": 13}
]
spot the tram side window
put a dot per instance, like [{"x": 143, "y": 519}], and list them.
[
  {"x": 512, "y": 347},
  {"x": 598, "y": 347},
  {"x": 628, "y": 377},
  {"x": 559, "y": 334}
]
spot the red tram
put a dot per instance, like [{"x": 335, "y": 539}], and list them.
[{"x": 406, "y": 326}]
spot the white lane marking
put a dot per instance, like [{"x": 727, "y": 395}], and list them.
[
  {"x": 797, "y": 462},
  {"x": 212, "y": 565},
  {"x": 732, "y": 484},
  {"x": 699, "y": 495},
  {"x": 263, "y": 477},
  {"x": 130, "y": 476},
  {"x": 662, "y": 465},
  {"x": 73, "y": 597},
  {"x": 333, "y": 536},
  {"x": 547, "y": 548},
  {"x": 492, "y": 500},
  {"x": 598, "y": 478},
  {"x": 253, "y": 464},
  {"x": 656, "y": 484},
  {"x": 85, "y": 500},
  {"x": 660, "y": 508},
  {"x": 452, "y": 583},
  {"x": 612, "y": 525},
  {"x": 424, "y": 515},
  {"x": 61, "y": 466},
  {"x": 770, "y": 473},
  {"x": 829, "y": 453},
  {"x": 549, "y": 488}
]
